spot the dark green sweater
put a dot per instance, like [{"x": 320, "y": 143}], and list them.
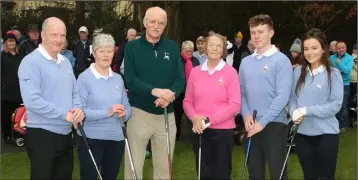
[{"x": 148, "y": 66}]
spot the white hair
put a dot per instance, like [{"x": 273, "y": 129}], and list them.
[
  {"x": 187, "y": 45},
  {"x": 156, "y": 9},
  {"x": 332, "y": 43},
  {"x": 103, "y": 40}
]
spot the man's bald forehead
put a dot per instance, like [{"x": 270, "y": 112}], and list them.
[
  {"x": 51, "y": 21},
  {"x": 155, "y": 10}
]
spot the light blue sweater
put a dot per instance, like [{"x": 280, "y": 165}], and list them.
[
  {"x": 266, "y": 87},
  {"x": 321, "y": 104},
  {"x": 48, "y": 91},
  {"x": 97, "y": 96},
  {"x": 344, "y": 66},
  {"x": 69, "y": 55}
]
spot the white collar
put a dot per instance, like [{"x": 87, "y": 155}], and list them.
[
  {"x": 268, "y": 53},
  {"x": 43, "y": 52},
  {"x": 98, "y": 75},
  {"x": 316, "y": 71},
  {"x": 218, "y": 67}
]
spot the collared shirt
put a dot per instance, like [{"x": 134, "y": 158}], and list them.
[
  {"x": 200, "y": 57},
  {"x": 44, "y": 53},
  {"x": 316, "y": 71},
  {"x": 98, "y": 75},
  {"x": 268, "y": 53},
  {"x": 218, "y": 67}
]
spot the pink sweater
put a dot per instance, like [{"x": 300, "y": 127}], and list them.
[{"x": 216, "y": 96}]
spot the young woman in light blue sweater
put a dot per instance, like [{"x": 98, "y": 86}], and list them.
[{"x": 316, "y": 98}]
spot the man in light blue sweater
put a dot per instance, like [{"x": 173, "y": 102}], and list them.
[
  {"x": 48, "y": 89},
  {"x": 344, "y": 63},
  {"x": 266, "y": 79}
]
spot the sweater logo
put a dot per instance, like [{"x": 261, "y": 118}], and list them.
[
  {"x": 220, "y": 81},
  {"x": 116, "y": 86},
  {"x": 266, "y": 67},
  {"x": 166, "y": 56}
]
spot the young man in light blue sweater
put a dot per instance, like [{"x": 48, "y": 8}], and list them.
[
  {"x": 265, "y": 79},
  {"x": 344, "y": 63},
  {"x": 48, "y": 89}
]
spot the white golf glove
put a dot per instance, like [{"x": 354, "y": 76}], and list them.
[
  {"x": 205, "y": 124},
  {"x": 298, "y": 113}
]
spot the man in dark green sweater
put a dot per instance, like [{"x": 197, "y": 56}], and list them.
[{"x": 154, "y": 75}]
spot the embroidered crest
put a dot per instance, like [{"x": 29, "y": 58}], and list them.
[
  {"x": 266, "y": 67},
  {"x": 166, "y": 56},
  {"x": 220, "y": 81},
  {"x": 116, "y": 86}
]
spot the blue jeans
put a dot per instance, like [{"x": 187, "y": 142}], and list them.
[{"x": 342, "y": 115}]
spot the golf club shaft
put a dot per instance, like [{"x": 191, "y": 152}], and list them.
[
  {"x": 199, "y": 161},
  {"x": 128, "y": 150},
  {"x": 254, "y": 113},
  {"x": 168, "y": 142},
  {"x": 288, "y": 152},
  {"x": 88, "y": 148}
]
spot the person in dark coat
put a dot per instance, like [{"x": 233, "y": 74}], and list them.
[
  {"x": 29, "y": 45},
  {"x": 10, "y": 88},
  {"x": 189, "y": 62},
  {"x": 239, "y": 49},
  {"x": 131, "y": 35},
  {"x": 81, "y": 51}
]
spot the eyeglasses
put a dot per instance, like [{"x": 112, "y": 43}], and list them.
[
  {"x": 219, "y": 46},
  {"x": 154, "y": 22}
]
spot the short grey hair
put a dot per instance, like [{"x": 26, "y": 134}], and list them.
[
  {"x": 187, "y": 45},
  {"x": 102, "y": 40}
]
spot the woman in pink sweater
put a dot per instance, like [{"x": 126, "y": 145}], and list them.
[{"x": 213, "y": 93}]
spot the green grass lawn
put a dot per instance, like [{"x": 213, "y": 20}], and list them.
[{"x": 16, "y": 165}]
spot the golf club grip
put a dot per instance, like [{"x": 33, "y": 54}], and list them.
[{"x": 254, "y": 115}]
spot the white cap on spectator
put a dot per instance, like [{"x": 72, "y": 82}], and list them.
[{"x": 83, "y": 29}]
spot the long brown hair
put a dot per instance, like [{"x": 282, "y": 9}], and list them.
[
  {"x": 321, "y": 38},
  {"x": 6, "y": 47}
]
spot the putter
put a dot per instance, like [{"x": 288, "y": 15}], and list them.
[
  {"x": 168, "y": 142},
  {"x": 248, "y": 148},
  {"x": 289, "y": 149},
  {"x": 88, "y": 148},
  {"x": 206, "y": 124},
  {"x": 128, "y": 149}
]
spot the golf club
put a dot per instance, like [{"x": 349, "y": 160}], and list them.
[
  {"x": 128, "y": 149},
  {"x": 88, "y": 148},
  {"x": 248, "y": 148},
  {"x": 289, "y": 149},
  {"x": 168, "y": 142},
  {"x": 206, "y": 123}
]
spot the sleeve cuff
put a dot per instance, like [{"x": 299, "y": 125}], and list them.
[{"x": 263, "y": 122}]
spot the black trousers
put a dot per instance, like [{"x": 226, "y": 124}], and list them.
[
  {"x": 178, "y": 113},
  {"x": 51, "y": 154},
  {"x": 317, "y": 155},
  {"x": 268, "y": 145},
  {"x": 107, "y": 154},
  {"x": 7, "y": 108},
  {"x": 216, "y": 153}
]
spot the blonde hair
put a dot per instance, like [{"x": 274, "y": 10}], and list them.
[
  {"x": 211, "y": 34},
  {"x": 6, "y": 48}
]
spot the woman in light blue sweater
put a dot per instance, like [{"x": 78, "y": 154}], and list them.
[
  {"x": 316, "y": 98},
  {"x": 106, "y": 106}
]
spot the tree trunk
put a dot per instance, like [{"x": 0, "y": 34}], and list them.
[
  {"x": 80, "y": 13},
  {"x": 142, "y": 7},
  {"x": 173, "y": 28}
]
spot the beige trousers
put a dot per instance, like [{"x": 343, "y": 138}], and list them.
[{"x": 141, "y": 127}]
